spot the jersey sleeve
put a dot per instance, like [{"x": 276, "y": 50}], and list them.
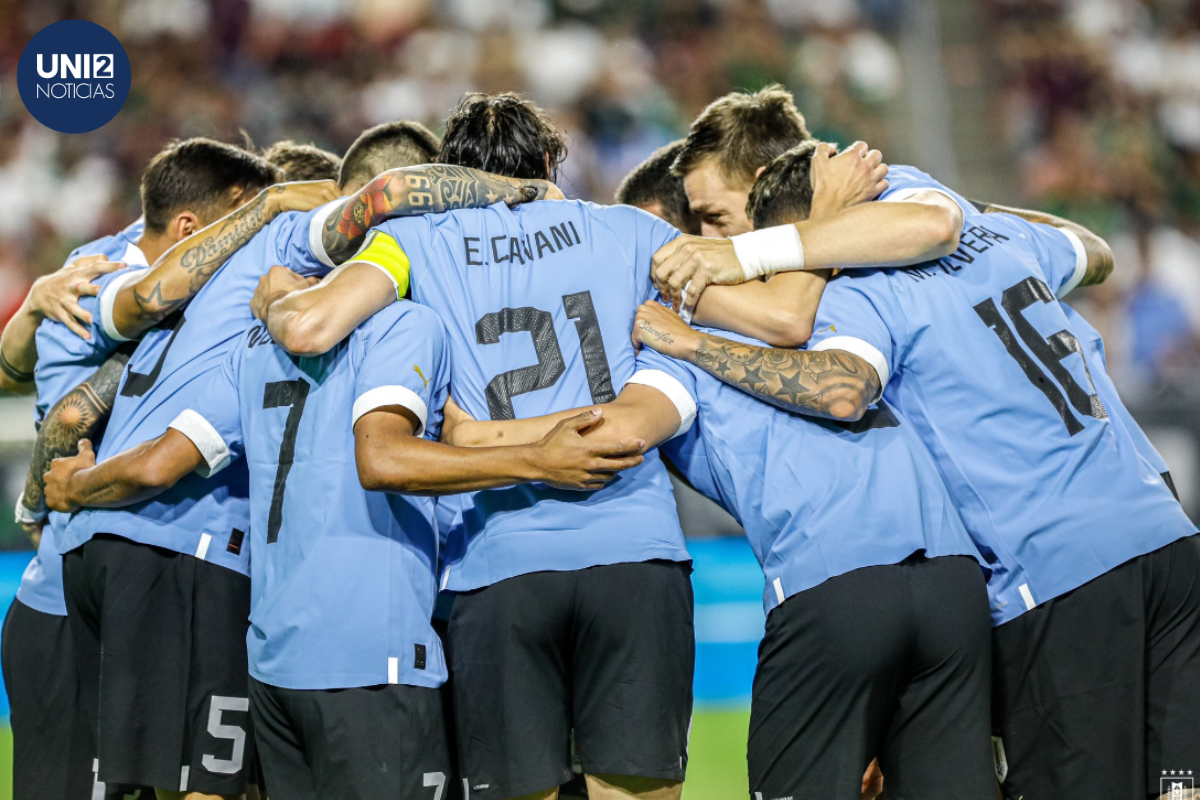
[
  {"x": 300, "y": 247},
  {"x": 642, "y": 235},
  {"x": 847, "y": 319},
  {"x": 214, "y": 420},
  {"x": 904, "y": 182},
  {"x": 102, "y": 316},
  {"x": 403, "y": 364},
  {"x": 673, "y": 379},
  {"x": 1061, "y": 254}
]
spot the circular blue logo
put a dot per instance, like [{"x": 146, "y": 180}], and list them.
[{"x": 73, "y": 76}]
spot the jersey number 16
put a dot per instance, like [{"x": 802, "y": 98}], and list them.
[{"x": 1050, "y": 351}]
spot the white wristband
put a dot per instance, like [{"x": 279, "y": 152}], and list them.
[{"x": 770, "y": 250}]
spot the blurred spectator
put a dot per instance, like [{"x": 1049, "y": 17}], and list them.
[
  {"x": 1101, "y": 99},
  {"x": 622, "y": 76}
]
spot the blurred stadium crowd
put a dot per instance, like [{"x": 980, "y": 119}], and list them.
[
  {"x": 1097, "y": 102},
  {"x": 1102, "y": 99}
]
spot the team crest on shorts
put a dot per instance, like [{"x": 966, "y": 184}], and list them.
[{"x": 1176, "y": 784}]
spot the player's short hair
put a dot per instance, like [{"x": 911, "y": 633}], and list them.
[
  {"x": 303, "y": 162},
  {"x": 653, "y": 182},
  {"x": 198, "y": 175},
  {"x": 743, "y": 131},
  {"x": 505, "y": 134},
  {"x": 783, "y": 192},
  {"x": 391, "y": 145}
]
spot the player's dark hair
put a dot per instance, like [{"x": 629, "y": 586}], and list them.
[
  {"x": 783, "y": 192},
  {"x": 391, "y": 145},
  {"x": 505, "y": 134},
  {"x": 200, "y": 175},
  {"x": 303, "y": 162},
  {"x": 743, "y": 132},
  {"x": 652, "y": 182}
]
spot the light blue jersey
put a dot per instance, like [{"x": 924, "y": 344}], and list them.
[
  {"x": 538, "y": 302},
  {"x": 342, "y": 580},
  {"x": 1093, "y": 349},
  {"x": 64, "y": 362},
  {"x": 976, "y": 352},
  {"x": 905, "y": 181},
  {"x": 817, "y": 498},
  {"x": 171, "y": 365}
]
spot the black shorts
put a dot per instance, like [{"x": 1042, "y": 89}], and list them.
[
  {"x": 1098, "y": 690},
  {"x": 890, "y": 662},
  {"x": 171, "y": 706},
  {"x": 355, "y": 744},
  {"x": 607, "y": 651}
]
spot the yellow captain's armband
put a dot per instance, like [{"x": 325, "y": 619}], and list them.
[{"x": 383, "y": 252}]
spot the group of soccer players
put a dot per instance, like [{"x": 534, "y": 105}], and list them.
[{"x": 381, "y": 507}]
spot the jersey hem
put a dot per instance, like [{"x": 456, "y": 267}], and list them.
[
  {"x": 676, "y": 554},
  {"x": 350, "y": 680}
]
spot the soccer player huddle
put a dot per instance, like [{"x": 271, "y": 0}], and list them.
[{"x": 351, "y": 480}]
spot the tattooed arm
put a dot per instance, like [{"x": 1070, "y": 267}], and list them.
[
  {"x": 832, "y": 384},
  {"x": 1099, "y": 255},
  {"x": 77, "y": 416},
  {"x": 427, "y": 189},
  {"x": 183, "y": 270}
]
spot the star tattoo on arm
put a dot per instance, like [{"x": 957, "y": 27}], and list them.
[{"x": 832, "y": 384}]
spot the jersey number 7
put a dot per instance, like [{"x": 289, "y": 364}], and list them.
[
  {"x": 280, "y": 394},
  {"x": 1050, "y": 351},
  {"x": 544, "y": 374}
]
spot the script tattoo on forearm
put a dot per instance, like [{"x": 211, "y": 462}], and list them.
[
  {"x": 816, "y": 383},
  {"x": 411, "y": 191},
  {"x": 77, "y": 416},
  {"x": 199, "y": 260}
]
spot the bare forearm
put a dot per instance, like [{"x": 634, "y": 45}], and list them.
[
  {"x": 183, "y": 270},
  {"x": 639, "y": 413},
  {"x": 428, "y": 189},
  {"x": 77, "y": 416},
  {"x": 779, "y": 311},
  {"x": 828, "y": 383},
  {"x": 311, "y": 321},
  {"x": 115, "y": 482},
  {"x": 1100, "y": 257},
  {"x": 418, "y": 466},
  {"x": 506, "y": 433},
  {"x": 879, "y": 234},
  {"x": 18, "y": 350}
]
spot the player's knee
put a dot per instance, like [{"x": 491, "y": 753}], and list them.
[{"x": 620, "y": 787}]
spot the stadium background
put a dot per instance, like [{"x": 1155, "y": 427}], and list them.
[{"x": 1086, "y": 108}]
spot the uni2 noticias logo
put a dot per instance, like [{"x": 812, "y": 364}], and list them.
[{"x": 73, "y": 76}]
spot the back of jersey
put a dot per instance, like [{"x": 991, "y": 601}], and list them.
[
  {"x": 169, "y": 369},
  {"x": 343, "y": 579},
  {"x": 538, "y": 302},
  {"x": 977, "y": 353}
]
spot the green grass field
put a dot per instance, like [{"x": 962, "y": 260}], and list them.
[
  {"x": 5, "y": 763},
  {"x": 716, "y": 767},
  {"x": 717, "y": 756}
]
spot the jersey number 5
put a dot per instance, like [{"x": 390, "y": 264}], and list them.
[
  {"x": 280, "y": 394},
  {"x": 1050, "y": 351},
  {"x": 544, "y": 374}
]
